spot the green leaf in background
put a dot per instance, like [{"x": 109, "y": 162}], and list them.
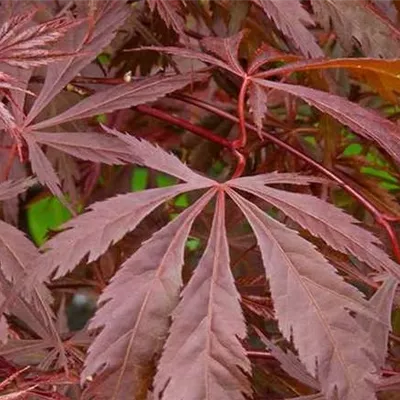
[
  {"x": 396, "y": 321},
  {"x": 104, "y": 58},
  {"x": 311, "y": 140},
  {"x": 352, "y": 149},
  {"x": 101, "y": 118},
  {"x": 139, "y": 179},
  {"x": 388, "y": 182},
  {"x": 163, "y": 180},
  {"x": 44, "y": 215},
  {"x": 216, "y": 168},
  {"x": 192, "y": 243},
  {"x": 182, "y": 201}
]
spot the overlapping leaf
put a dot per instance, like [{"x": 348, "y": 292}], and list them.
[
  {"x": 149, "y": 155},
  {"x": 226, "y": 49},
  {"x": 257, "y": 104},
  {"x": 366, "y": 123},
  {"x": 224, "y": 52},
  {"x": 86, "y": 146},
  {"x": 202, "y": 355},
  {"x": 381, "y": 302},
  {"x": 93, "y": 232},
  {"x": 331, "y": 224},
  {"x": 86, "y": 45},
  {"x": 171, "y": 13},
  {"x": 118, "y": 215},
  {"x": 10, "y": 189},
  {"x": 292, "y": 19},
  {"x": 304, "y": 284},
  {"x": 361, "y": 23},
  {"x": 42, "y": 167},
  {"x": 289, "y": 362},
  {"x": 382, "y": 75},
  {"x": 89, "y": 146},
  {"x": 152, "y": 278},
  {"x": 25, "y": 45},
  {"x": 31, "y": 307},
  {"x": 122, "y": 96},
  {"x": 387, "y": 8}
]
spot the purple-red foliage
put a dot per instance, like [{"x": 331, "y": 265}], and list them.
[{"x": 292, "y": 289}]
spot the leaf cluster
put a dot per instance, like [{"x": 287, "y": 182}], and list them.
[{"x": 226, "y": 177}]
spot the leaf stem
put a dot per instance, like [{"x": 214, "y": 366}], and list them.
[
  {"x": 265, "y": 355},
  {"x": 241, "y": 163},
  {"x": 242, "y": 139}
]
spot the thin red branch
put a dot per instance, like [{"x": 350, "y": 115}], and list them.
[
  {"x": 241, "y": 163},
  {"x": 381, "y": 218},
  {"x": 198, "y": 130},
  {"x": 242, "y": 139}
]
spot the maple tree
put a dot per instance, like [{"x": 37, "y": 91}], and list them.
[{"x": 225, "y": 177}]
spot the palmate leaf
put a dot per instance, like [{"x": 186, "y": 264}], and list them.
[
  {"x": 23, "y": 44},
  {"x": 152, "y": 277},
  {"x": 359, "y": 22},
  {"x": 134, "y": 327},
  {"x": 86, "y": 44},
  {"x": 118, "y": 215},
  {"x": 227, "y": 49},
  {"x": 92, "y": 146},
  {"x": 323, "y": 220},
  {"x": 367, "y": 123},
  {"x": 311, "y": 303},
  {"x": 291, "y": 18},
  {"x": 171, "y": 13},
  {"x": 203, "y": 358}
]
